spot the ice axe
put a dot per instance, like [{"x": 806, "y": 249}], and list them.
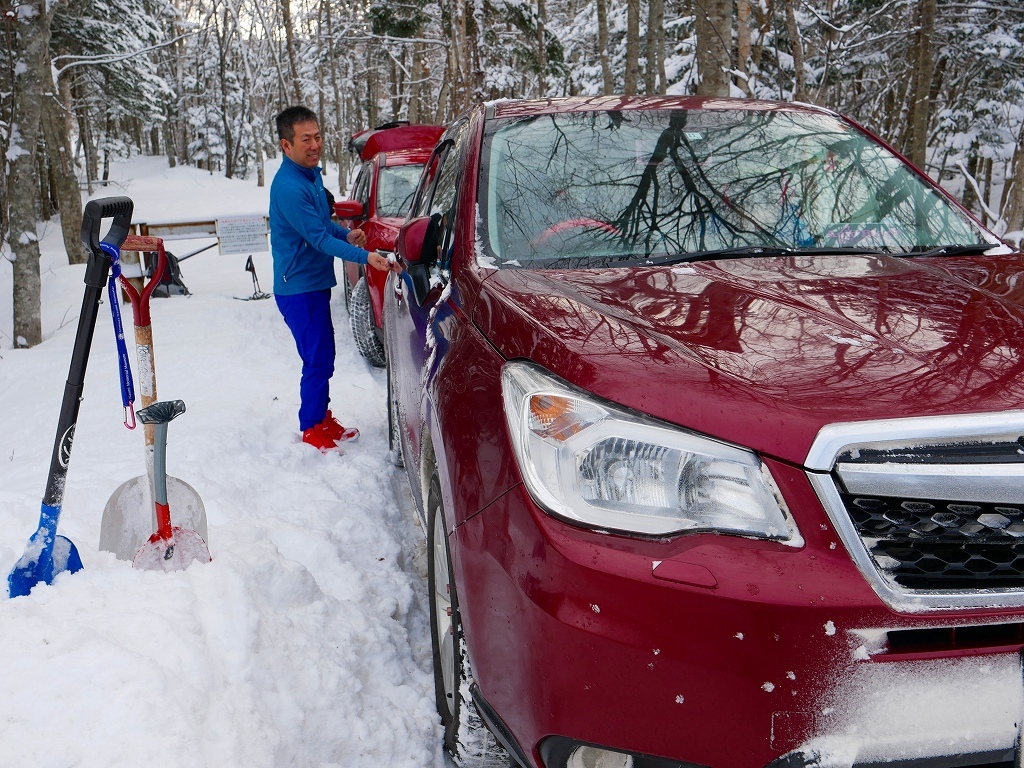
[
  {"x": 47, "y": 553},
  {"x": 170, "y": 548},
  {"x": 128, "y": 517}
]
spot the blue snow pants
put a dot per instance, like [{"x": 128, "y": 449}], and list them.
[{"x": 308, "y": 316}]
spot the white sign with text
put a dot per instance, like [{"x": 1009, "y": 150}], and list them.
[{"x": 242, "y": 234}]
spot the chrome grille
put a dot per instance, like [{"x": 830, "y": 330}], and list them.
[
  {"x": 941, "y": 544},
  {"x": 931, "y": 509}
]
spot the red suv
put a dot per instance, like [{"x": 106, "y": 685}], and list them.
[
  {"x": 392, "y": 159},
  {"x": 714, "y": 413}
]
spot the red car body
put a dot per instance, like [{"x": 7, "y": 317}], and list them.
[
  {"x": 844, "y": 373},
  {"x": 397, "y": 149}
]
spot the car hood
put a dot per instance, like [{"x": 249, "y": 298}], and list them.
[{"x": 764, "y": 352}]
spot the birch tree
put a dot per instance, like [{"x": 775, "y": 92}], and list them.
[{"x": 30, "y": 40}]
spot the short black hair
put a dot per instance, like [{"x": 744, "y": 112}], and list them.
[{"x": 289, "y": 118}]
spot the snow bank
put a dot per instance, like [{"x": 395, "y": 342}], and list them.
[{"x": 306, "y": 641}]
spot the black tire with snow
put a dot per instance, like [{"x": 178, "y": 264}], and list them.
[
  {"x": 363, "y": 330},
  {"x": 466, "y": 738},
  {"x": 347, "y": 284}
]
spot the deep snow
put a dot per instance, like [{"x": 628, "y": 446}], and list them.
[{"x": 306, "y": 641}]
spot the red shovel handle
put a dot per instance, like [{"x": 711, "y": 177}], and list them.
[{"x": 140, "y": 302}]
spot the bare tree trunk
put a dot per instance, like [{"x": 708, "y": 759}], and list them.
[
  {"x": 970, "y": 199},
  {"x": 542, "y": 49},
  {"x": 743, "y": 43},
  {"x": 58, "y": 152},
  {"x": 257, "y": 133},
  {"x": 223, "y": 46},
  {"x": 289, "y": 37},
  {"x": 107, "y": 133},
  {"x": 460, "y": 63},
  {"x": 371, "y": 95},
  {"x": 396, "y": 88},
  {"x": 7, "y": 32},
  {"x": 444, "y": 97},
  {"x": 44, "y": 208},
  {"x": 988, "y": 190},
  {"x": 797, "y": 45},
  {"x": 172, "y": 158},
  {"x": 32, "y": 36},
  {"x": 85, "y": 137},
  {"x": 1013, "y": 188},
  {"x": 714, "y": 46},
  {"x": 659, "y": 33},
  {"x": 478, "y": 47},
  {"x": 339, "y": 142},
  {"x": 602, "y": 46},
  {"x": 632, "y": 46},
  {"x": 916, "y": 144},
  {"x": 763, "y": 20},
  {"x": 415, "y": 86},
  {"x": 655, "y": 22}
]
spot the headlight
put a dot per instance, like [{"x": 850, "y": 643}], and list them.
[{"x": 603, "y": 466}]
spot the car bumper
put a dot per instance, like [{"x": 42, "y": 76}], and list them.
[{"x": 720, "y": 651}]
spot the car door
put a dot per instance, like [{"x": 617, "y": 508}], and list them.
[
  {"x": 413, "y": 319},
  {"x": 360, "y": 192}
]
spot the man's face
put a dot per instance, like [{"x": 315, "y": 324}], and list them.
[{"x": 304, "y": 149}]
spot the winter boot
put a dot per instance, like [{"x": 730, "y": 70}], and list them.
[
  {"x": 319, "y": 438},
  {"x": 336, "y": 431}
]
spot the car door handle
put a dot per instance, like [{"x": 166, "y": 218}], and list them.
[{"x": 398, "y": 291}]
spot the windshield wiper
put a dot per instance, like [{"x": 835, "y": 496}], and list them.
[
  {"x": 974, "y": 249},
  {"x": 744, "y": 251}
]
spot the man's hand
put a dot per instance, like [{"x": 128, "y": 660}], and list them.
[
  {"x": 382, "y": 263},
  {"x": 356, "y": 237}
]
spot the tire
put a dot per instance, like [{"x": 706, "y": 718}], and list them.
[
  {"x": 466, "y": 738},
  {"x": 348, "y": 290},
  {"x": 394, "y": 430},
  {"x": 363, "y": 329}
]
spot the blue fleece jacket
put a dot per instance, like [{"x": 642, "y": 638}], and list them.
[{"x": 303, "y": 240}]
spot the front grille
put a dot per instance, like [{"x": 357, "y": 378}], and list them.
[{"x": 936, "y": 544}]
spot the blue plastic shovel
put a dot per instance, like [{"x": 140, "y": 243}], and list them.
[{"x": 49, "y": 554}]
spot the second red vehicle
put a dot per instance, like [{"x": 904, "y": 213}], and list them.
[{"x": 392, "y": 157}]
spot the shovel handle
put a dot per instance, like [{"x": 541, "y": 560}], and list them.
[
  {"x": 140, "y": 302},
  {"x": 120, "y": 210}
]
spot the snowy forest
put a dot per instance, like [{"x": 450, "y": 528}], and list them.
[{"x": 85, "y": 82}]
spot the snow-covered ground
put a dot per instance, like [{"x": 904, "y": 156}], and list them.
[{"x": 306, "y": 641}]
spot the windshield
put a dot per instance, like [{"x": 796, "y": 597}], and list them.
[
  {"x": 395, "y": 186},
  {"x": 596, "y": 188}
]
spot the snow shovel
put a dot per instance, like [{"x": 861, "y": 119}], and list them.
[
  {"x": 170, "y": 548},
  {"x": 128, "y": 518},
  {"x": 49, "y": 554}
]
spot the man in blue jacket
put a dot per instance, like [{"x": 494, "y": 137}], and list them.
[{"x": 304, "y": 243}]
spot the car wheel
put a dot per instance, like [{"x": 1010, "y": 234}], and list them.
[
  {"x": 394, "y": 430},
  {"x": 348, "y": 290},
  {"x": 466, "y": 738},
  {"x": 363, "y": 330}
]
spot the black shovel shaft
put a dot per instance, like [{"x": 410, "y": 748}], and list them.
[{"x": 120, "y": 209}]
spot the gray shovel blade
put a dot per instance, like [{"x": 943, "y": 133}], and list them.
[
  {"x": 129, "y": 518},
  {"x": 177, "y": 553}
]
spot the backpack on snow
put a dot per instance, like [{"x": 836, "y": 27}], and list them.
[{"x": 171, "y": 283}]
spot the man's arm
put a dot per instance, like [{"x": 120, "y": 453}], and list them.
[{"x": 302, "y": 215}]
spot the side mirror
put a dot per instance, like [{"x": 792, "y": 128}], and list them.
[
  {"x": 417, "y": 240},
  {"x": 348, "y": 209},
  {"x": 416, "y": 245}
]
